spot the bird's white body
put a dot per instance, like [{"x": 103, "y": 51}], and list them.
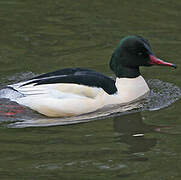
[
  {"x": 68, "y": 99},
  {"x": 76, "y": 91}
]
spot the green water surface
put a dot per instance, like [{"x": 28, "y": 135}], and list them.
[{"x": 44, "y": 35}]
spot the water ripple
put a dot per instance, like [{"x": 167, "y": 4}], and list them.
[{"x": 162, "y": 94}]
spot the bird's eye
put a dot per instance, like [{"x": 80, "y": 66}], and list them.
[{"x": 140, "y": 53}]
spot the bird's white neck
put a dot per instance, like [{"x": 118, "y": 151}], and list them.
[{"x": 130, "y": 89}]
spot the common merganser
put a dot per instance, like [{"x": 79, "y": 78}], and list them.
[{"x": 76, "y": 91}]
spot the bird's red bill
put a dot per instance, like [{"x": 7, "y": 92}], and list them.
[{"x": 155, "y": 61}]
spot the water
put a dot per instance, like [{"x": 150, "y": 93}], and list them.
[
  {"x": 140, "y": 143},
  {"x": 162, "y": 94}
]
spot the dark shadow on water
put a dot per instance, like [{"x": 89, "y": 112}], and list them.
[{"x": 131, "y": 130}]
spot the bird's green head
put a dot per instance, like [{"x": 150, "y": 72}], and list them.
[{"x": 133, "y": 52}]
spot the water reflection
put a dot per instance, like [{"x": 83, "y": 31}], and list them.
[{"x": 131, "y": 129}]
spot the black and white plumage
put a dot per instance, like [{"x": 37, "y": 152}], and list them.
[
  {"x": 79, "y": 76},
  {"x": 75, "y": 91}
]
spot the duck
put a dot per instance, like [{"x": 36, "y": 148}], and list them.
[{"x": 76, "y": 91}]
